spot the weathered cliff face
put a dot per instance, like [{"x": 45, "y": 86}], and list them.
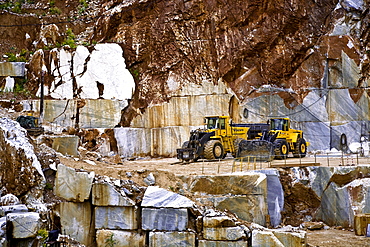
[
  {"x": 251, "y": 60},
  {"x": 21, "y": 170},
  {"x": 333, "y": 195},
  {"x": 244, "y": 44}
]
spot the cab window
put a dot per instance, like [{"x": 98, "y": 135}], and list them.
[
  {"x": 211, "y": 123},
  {"x": 222, "y": 123},
  {"x": 276, "y": 124},
  {"x": 279, "y": 124}
]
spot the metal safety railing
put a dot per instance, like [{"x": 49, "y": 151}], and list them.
[{"x": 254, "y": 162}]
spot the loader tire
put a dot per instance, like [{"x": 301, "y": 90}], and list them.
[
  {"x": 236, "y": 146},
  {"x": 300, "y": 148},
  {"x": 213, "y": 150},
  {"x": 281, "y": 150},
  {"x": 185, "y": 144}
]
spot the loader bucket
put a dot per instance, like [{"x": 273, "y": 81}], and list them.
[{"x": 260, "y": 149}]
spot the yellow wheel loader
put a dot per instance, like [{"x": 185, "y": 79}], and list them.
[
  {"x": 287, "y": 139},
  {"x": 279, "y": 140}
]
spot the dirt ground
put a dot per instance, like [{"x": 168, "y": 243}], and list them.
[
  {"x": 112, "y": 166},
  {"x": 166, "y": 170},
  {"x": 336, "y": 238}
]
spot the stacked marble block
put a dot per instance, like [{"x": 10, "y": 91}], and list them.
[
  {"x": 116, "y": 217},
  {"x": 19, "y": 217},
  {"x": 98, "y": 212},
  {"x": 166, "y": 216},
  {"x": 173, "y": 220}
]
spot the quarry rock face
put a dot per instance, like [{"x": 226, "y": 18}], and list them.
[
  {"x": 107, "y": 195},
  {"x": 71, "y": 185},
  {"x": 312, "y": 75},
  {"x": 12, "y": 69},
  {"x": 83, "y": 113},
  {"x": 270, "y": 56},
  {"x": 279, "y": 237},
  {"x": 168, "y": 239},
  {"x": 170, "y": 64},
  {"x": 76, "y": 220},
  {"x": 160, "y": 198},
  {"x": 243, "y": 194},
  {"x": 275, "y": 196},
  {"x": 20, "y": 169},
  {"x": 120, "y": 238},
  {"x": 334, "y": 195},
  {"x": 19, "y": 220},
  {"x": 70, "y": 74}
]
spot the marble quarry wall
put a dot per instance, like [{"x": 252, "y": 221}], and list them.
[{"x": 325, "y": 112}]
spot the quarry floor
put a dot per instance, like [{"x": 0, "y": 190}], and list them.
[{"x": 166, "y": 170}]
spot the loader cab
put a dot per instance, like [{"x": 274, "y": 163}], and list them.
[
  {"x": 210, "y": 122},
  {"x": 279, "y": 124},
  {"x": 215, "y": 123}
]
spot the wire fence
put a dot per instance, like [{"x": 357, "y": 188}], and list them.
[{"x": 251, "y": 163}]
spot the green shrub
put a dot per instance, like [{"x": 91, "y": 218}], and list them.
[
  {"x": 15, "y": 7},
  {"x": 49, "y": 186},
  {"x": 55, "y": 11},
  {"x": 83, "y": 6},
  {"x": 110, "y": 242},
  {"x": 21, "y": 57},
  {"x": 6, "y": 5},
  {"x": 70, "y": 39}
]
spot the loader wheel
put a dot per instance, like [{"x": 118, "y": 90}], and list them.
[
  {"x": 213, "y": 150},
  {"x": 236, "y": 146},
  {"x": 185, "y": 144},
  {"x": 281, "y": 150},
  {"x": 300, "y": 149}
]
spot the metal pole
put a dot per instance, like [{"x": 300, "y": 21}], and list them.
[
  {"x": 42, "y": 96},
  {"x": 327, "y": 157},
  {"x": 260, "y": 163}
]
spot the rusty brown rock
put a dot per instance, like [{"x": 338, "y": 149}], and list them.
[
  {"x": 49, "y": 36},
  {"x": 245, "y": 44},
  {"x": 20, "y": 169}
]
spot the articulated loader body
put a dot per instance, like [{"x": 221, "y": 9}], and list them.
[
  {"x": 214, "y": 141},
  {"x": 264, "y": 141},
  {"x": 287, "y": 139}
]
